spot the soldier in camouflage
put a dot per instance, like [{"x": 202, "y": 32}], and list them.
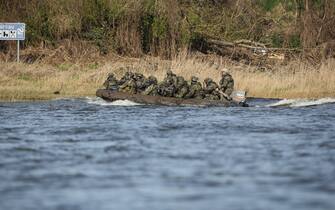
[
  {"x": 211, "y": 90},
  {"x": 195, "y": 89},
  {"x": 129, "y": 86},
  {"x": 172, "y": 86},
  {"x": 226, "y": 84},
  {"x": 140, "y": 82},
  {"x": 126, "y": 77},
  {"x": 182, "y": 88},
  {"x": 151, "y": 86},
  {"x": 111, "y": 83},
  {"x": 167, "y": 87}
]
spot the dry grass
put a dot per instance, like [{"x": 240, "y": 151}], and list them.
[
  {"x": 296, "y": 80},
  {"x": 39, "y": 81}
]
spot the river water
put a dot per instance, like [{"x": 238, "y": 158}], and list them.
[{"x": 89, "y": 154}]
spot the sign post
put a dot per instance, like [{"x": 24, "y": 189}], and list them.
[
  {"x": 13, "y": 32},
  {"x": 18, "y": 51}
]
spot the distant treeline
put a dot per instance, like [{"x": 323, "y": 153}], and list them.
[{"x": 163, "y": 27}]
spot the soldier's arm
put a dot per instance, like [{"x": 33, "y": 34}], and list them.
[{"x": 224, "y": 95}]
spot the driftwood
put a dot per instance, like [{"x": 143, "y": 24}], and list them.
[
  {"x": 109, "y": 95},
  {"x": 249, "y": 45}
]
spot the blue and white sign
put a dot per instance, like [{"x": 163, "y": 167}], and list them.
[{"x": 12, "y": 31}]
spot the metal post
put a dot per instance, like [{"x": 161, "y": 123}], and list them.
[{"x": 18, "y": 51}]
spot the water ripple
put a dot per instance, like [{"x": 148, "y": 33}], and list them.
[{"x": 91, "y": 154}]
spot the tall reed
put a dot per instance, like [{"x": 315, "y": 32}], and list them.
[{"x": 40, "y": 81}]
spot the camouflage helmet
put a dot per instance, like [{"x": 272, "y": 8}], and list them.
[
  {"x": 138, "y": 76},
  {"x": 152, "y": 80},
  {"x": 169, "y": 73},
  {"x": 194, "y": 79},
  {"x": 132, "y": 75},
  {"x": 126, "y": 75},
  {"x": 224, "y": 72},
  {"x": 180, "y": 79},
  {"x": 208, "y": 80}
]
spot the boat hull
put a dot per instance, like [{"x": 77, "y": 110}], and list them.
[{"x": 110, "y": 95}]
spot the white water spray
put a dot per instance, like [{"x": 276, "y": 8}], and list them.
[
  {"x": 101, "y": 102},
  {"x": 302, "y": 102}
]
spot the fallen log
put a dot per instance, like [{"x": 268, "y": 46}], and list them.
[{"x": 245, "y": 50}]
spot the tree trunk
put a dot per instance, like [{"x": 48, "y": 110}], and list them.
[
  {"x": 310, "y": 27},
  {"x": 318, "y": 22}
]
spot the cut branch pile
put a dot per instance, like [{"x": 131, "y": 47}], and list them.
[{"x": 246, "y": 51}]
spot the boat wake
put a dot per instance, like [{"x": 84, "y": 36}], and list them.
[
  {"x": 281, "y": 103},
  {"x": 101, "y": 102},
  {"x": 302, "y": 102}
]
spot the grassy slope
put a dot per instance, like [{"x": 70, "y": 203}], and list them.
[{"x": 39, "y": 81}]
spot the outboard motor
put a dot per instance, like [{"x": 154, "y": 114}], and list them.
[{"x": 240, "y": 97}]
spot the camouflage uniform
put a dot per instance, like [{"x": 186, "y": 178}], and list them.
[
  {"x": 167, "y": 87},
  {"x": 166, "y": 90},
  {"x": 214, "y": 97},
  {"x": 129, "y": 86},
  {"x": 151, "y": 86},
  {"x": 149, "y": 81},
  {"x": 210, "y": 86},
  {"x": 151, "y": 90},
  {"x": 211, "y": 90},
  {"x": 226, "y": 83},
  {"x": 182, "y": 88},
  {"x": 111, "y": 83},
  {"x": 140, "y": 82},
  {"x": 174, "y": 80},
  {"x": 127, "y": 76},
  {"x": 195, "y": 89}
]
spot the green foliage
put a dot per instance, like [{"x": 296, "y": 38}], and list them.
[
  {"x": 193, "y": 18},
  {"x": 149, "y": 6},
  {"x": 94, "y": 65},
  {"x": 186, "y": 35},
  {"x": 189, "y": 28},
  {"x": 268, "y": 5},
  {"x": 294, "y": 41},
  {"x": 159, "y": 27},
  {"x": 40, "y": 26},
  {"x": 100, "y": 37},
  {"x": 64, "y": 66},
  {"x": 318, "y": 3},
  {"x": 145, "y": 28},
  {"x": 149, "y": 26},
  {"x": 277, "y": 40},
  {"x": 290, "y": 5},
  {"x": 25, "y": 77}
]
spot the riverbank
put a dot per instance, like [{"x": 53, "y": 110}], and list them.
[{"x": 42, "y": 81}]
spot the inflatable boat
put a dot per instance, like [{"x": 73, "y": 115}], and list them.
[{"x": 238, "y": 99}]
